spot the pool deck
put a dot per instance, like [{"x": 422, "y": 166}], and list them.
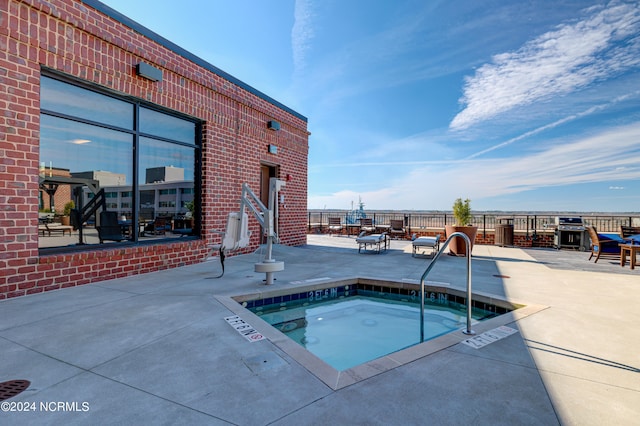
[{"x": 155, "y": 348}]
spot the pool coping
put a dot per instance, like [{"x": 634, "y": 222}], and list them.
[{"x": 336, "y": 379}]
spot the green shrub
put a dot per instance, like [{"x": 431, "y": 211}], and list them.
[{"x": 462, "y": 212}]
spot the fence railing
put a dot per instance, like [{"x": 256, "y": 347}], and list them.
[{"x": 415, "y": 222}]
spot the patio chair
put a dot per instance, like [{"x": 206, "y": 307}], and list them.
[
  {"x": 396, "y": 228},
  {"x": 109, "y": 228},
  {"x": 604, "y": 244},
  {"x": 159, "y": 226},
  {"x": 366, "y": 225},
  {"x": 630, "y": 232},
  {"x": 335, "y": 225},
  {"x": 374, "y": 242}
]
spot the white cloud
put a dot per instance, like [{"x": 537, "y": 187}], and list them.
[
  {"x": 301, "y": 33},
  {"x": 556, "y": 63},
  {"x": 613, "y": 155},
  {"x": 594, "y": 109}
]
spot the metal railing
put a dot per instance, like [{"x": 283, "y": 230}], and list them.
[
  {"x": 529, "y": 223},
  {"x": 467, "y": 243}
]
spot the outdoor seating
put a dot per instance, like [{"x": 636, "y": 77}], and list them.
[
  {"x": 160, "y": 226},
  {"x": 335, "y": 225},
  {"x": 48, "y": 228},
  {"x": 373, "y": 242},
  {"x": 396, "y": 228},
  {"x": 630, "y": 233},
  {"x": 109, "y": 228},
  {"x": 366, "y": 225},
  {"x": 423, "y": 243},
  {"x": 604, "y": 244}
]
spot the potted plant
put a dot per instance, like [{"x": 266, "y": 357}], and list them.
[
  {"x": 463, "y": 217},
  {"x": 66, "y": 213}
]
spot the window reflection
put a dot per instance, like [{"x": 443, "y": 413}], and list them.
[
  {"x": 169, "y": 170},
  {"x": 87, "y": 156},
  {"x": 78, "y": 102},
  {"x": 158, "y": 124},
  {"x": 79, "y": 147}
]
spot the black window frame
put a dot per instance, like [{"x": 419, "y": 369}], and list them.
[{"x": 137, "y": 103}]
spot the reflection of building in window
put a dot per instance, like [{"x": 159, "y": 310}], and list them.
[
  {"x": 164, "y": 174},
  {"x": 62, "y": 193},
  {"x": 105, "y": 178}
]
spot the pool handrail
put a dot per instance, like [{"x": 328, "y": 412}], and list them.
[{"x": 467, "y": 242}]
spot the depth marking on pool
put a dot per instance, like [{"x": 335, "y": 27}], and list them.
[
  {"x": 490, "y": 336},
  {"x": 310, "y": 280},
  {"x": 414, "y": 281},
  {"x": 244, "y": 328}
]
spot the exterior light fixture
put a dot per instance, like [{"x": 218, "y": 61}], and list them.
[
  {"x": 149, "y": 72},
  {"x": 273, "y": 125}
]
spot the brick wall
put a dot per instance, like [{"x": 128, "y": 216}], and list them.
[{"x": 73, "y": 38}]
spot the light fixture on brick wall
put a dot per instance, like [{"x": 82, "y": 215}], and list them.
[
  {"x": 149, "y": 72},
  {"x": 273, "y": 125}
]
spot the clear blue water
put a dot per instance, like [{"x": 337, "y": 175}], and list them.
[{"x": 353, "y": 330}]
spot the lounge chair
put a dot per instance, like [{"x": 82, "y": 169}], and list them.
[
  {"x": 396, "y": 228},
  {"x": 604, "y": 244},
  {"x": 109, "y": 228},
  {"x": 373, "y": 242},
  {"x": 366, "y": 225},
  {"x": 422, "y": 243},
  {"x": 335, "y": 225},
  {"x": 48, "y": 228}
]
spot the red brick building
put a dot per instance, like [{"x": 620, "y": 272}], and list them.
[{"x": 102, "y": 111}]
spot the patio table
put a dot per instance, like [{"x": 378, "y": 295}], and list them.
[{"x": 632, "y": 249}]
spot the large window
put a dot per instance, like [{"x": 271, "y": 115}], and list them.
[{"x": 127, "y": 158}]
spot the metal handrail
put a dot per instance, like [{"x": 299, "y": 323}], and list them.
[{"x": 467, "y": 242}]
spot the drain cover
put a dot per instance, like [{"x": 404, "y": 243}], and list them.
[{"x": 12, "y": 388}]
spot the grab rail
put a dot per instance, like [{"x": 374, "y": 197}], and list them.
[{"x": 467, "y": 242}]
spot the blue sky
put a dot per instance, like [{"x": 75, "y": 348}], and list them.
[{"x": 516, "y": 105}]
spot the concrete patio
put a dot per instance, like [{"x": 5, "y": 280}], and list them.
[{"x": 155, "y": 348}]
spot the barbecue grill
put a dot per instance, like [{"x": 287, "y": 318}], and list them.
[{"x": 571, "y": 233}]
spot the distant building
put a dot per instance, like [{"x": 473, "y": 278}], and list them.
[
  {"x": 164, "y": 174},
  {"x": 105, "y": 178}
]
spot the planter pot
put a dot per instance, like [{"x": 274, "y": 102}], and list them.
[
  {"x": 457, "y": 246},
  {"x": 65, "y": 220}
]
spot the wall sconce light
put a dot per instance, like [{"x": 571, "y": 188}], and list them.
[
  {"x": 273, "y": 125},
  {"x": 273, "y": 149},
  {"x": 149, "y": 72}
]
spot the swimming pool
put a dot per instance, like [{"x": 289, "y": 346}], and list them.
[
  {"x": 349, "y": 325},
  {"x": 326, "y": 288}
]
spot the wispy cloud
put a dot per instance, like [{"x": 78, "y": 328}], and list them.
[
  {"x": 594, "y": 109},
  {"x": 574, "y": 55},
  {"x": 613, "y": 155},
  {"x": 302, "y": 33}
]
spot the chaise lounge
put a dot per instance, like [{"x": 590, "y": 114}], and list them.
[
  {"x": 374, "y": 242},
  {"x": 423, "y": 243},
  {"x": 48, "y": 228}
]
